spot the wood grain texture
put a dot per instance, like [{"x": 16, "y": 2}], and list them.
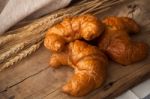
[{"x": 33, "y": 79}]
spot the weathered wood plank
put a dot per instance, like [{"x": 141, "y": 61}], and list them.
[{"x": 24, "y": 69}]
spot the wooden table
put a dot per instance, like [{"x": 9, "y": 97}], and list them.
[{"x": 34, "y": 79}]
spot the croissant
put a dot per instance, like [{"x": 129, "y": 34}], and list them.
[
  {"x": 117, "y": 44},
  {"x": 85, "y": 27},
  {"x": 89, "y": 64}
]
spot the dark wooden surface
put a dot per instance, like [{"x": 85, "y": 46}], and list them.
[{"x": 34, "y": 79}]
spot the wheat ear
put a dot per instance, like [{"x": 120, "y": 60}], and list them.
[
  {"x": 18, "y": 47},
  {"x": 20, "y": 56}
]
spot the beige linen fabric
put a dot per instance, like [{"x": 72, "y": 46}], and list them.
[{"x": 13, "y": 11}]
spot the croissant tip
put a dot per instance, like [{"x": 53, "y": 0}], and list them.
[{"x": 65, "y": 89}]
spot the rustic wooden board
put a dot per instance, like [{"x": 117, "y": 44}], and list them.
[{"x": 34, "y": 79}]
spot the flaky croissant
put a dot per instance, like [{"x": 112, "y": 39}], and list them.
[
  {"x": 89, "y": 64},
  {"x": 86, "y": 26},
  {"x": 117, "y": 43}
]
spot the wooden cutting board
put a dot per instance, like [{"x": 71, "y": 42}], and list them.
[{"x": 34, "y": 79}]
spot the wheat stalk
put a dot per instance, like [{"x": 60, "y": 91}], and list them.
[
  {"x": 27, "y": 30},
  {"x": 20, "y": 56}
]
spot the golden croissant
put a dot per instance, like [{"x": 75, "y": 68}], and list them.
[
  {"x": 89, "y": 64},
  {"x": 117, "y": 44},
  {"x": 85, "y": 27}
]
